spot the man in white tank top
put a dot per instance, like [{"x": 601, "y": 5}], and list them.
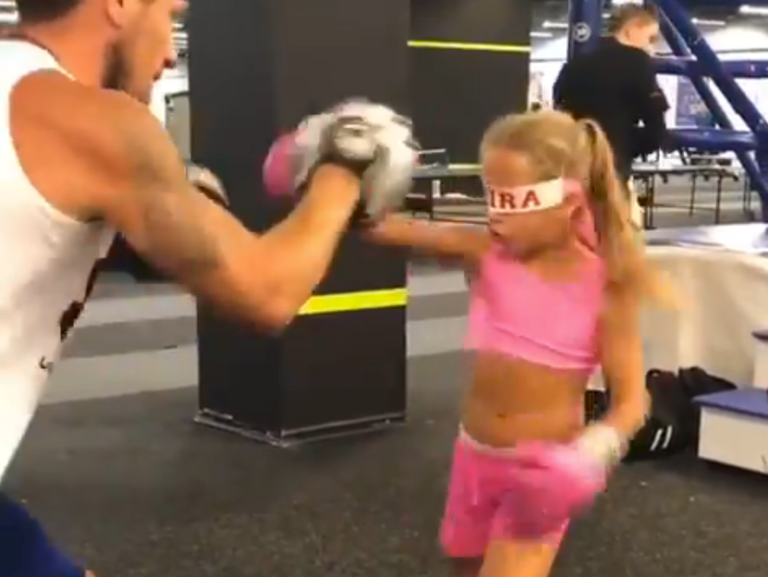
[{"x": 78, "y": 162}]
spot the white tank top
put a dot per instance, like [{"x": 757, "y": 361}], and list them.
[{"x": 46, "y": 268}]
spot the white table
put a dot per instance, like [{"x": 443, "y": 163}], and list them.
[{"x": 722, "y": 274}]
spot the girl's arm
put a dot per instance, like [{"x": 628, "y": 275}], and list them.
[
  {"x": 607, "y": 440},
  {"x": 622, "y": 362},
  {"x": 435, "y": 239}
]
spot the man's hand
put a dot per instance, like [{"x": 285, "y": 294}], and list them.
[{"x": 371, "y": 141}]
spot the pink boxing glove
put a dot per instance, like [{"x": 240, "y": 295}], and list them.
[
  {"x": 553, "y": 482},
  {"x": 371, "y": 141},
  {"x": 278, "y": 170}
]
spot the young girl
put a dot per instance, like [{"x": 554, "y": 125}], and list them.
[{"x": 556, "y": 281}]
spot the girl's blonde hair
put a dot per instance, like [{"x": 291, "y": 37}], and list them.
[{"x": 558, "y": 146}]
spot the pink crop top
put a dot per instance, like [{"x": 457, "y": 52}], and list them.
[{"x": 514, "y": 311}]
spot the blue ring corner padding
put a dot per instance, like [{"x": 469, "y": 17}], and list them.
[
  {"x": 751, "y": 402},
  {"x": 25, "y": 550}
]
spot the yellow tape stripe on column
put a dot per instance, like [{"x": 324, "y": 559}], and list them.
[
  {"x": 464, "y": 167},
  {"x": 439, "y": 45},
  {"x": 355, "y": 301}
]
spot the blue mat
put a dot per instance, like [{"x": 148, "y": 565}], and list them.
[{"x": 752, "y": 402}]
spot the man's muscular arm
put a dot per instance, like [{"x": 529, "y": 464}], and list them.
[
  {"x": 204, "y": 247},
  {"x": 125, "y": 169}
]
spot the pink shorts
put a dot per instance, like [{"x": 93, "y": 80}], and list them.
[{"x": 477, "y": 510}]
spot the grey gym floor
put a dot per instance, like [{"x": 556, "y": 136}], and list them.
[{"x": 121, "y": 476}]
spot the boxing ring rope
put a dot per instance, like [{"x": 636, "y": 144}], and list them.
[{"x": 695, "y": 59}]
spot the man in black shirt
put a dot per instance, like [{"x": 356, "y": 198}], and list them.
[{"x": 615, "y": 85}]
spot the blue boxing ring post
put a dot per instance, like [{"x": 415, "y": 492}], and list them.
[
  {"x": 695, "y": 59},
  {"x": 585, "y": 23}
]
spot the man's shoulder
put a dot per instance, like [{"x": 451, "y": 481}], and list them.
[
  {"x": 566, "y": 72},
  {"x": 76, "y": 119},
  {"x": 74, "y": 141},
  {"x": 64, "y": 105}
]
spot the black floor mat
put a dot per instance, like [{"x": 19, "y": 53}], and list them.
[{"x": 137, "y": 489}]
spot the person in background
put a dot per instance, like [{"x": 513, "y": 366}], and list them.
[{"x": 615, "y": 85}]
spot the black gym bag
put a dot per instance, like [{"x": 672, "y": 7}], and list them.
[
  {"x": 673, "y": 423},
  {"x": 667, "y": 428},
  {"x": 695, "y": 381}
]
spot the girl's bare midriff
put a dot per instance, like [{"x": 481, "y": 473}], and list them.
[{"x": 513, "y": 400}]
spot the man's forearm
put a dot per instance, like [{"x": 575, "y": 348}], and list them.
[
  {"x": 303, "y": 245},
  {"x": 261, "y": 278}
]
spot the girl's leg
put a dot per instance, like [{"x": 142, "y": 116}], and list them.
[
  {"x": 466, "y": 527},
  {"x": 509, "y": 558},
  {"x": 506, "y": 556},
  {"x": 467, "y": 567},
  {"x": 510, "y": 555}
]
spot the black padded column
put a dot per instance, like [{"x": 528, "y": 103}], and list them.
[
  {"x": 469, "y": 64},
  {"x": 255, "y": 69}
]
